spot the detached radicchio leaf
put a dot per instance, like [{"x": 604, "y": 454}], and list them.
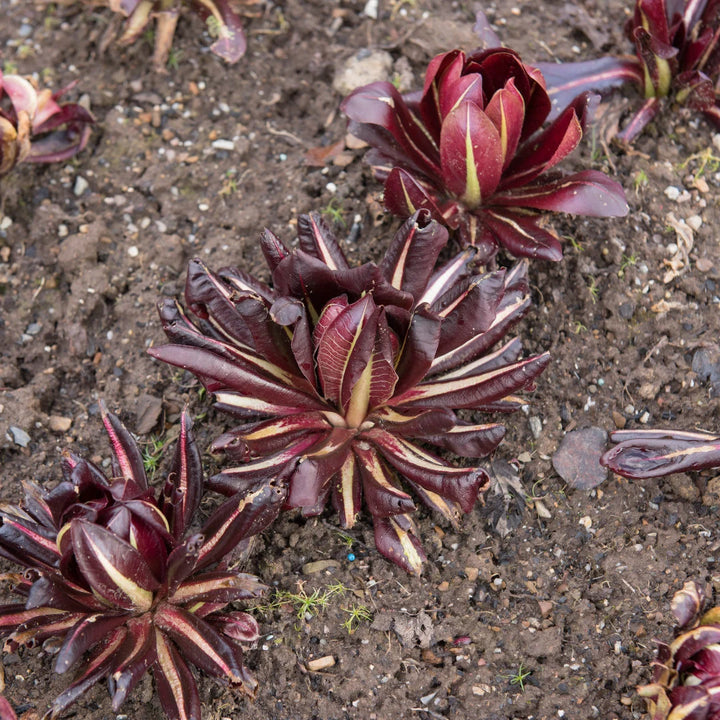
[{"x": 655, "y": 453}]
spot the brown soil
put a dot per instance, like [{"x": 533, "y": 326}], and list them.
[{"x": 576, "y": 598}]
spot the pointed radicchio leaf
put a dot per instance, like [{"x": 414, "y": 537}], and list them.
[
  {"x": 350, "y": 365},
  {"x": 127, "y": 460},
  {"x": 565, "y": 81},
  {"x": 309, "y": 483},
  {"x": 317, "y": 239},
  {"x": 413, "y": 252},
  {"x": 471, "y": 154},
  {"x": 588, "y": 192},
  {"x": 404, "y": 195},
  {"x": 138, "y": 655},
  {"x": 506, "y": 109},
  {"x": 468, "y": 392},
  {"x": 220, "y": 374},
  {"x": 473, "y": 441},
  {"x": 113, "y": 567},
  {"x": 184, "y": 486},
  {"x": 239, "y": 626},
  {"x": 86, "y": 633},
  {"x": 460, "y": 485},
  {"x": 347, "y": 493},
  {"x": 95, "y": 668},
  {"x": 522, "y": 235},
  {"x": 239, "y": 517},
  {"x": 175, "y": 683},
  {"x": 382, "y": 495},
  {"x": 418, "y": 350},
  {"x": 385, "y": 122},
  {"x": 396, "y": 539},
  {"x": 198, "y": 642},
  {"x": 547, "y": 149},
  {"x": 217, "y": 587}
]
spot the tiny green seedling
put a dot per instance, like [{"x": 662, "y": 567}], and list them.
[
  {"x": 577, "y": 246},
  {"x": 213, "y": 26},
  {"x": 627, "y": 261},
  {"x": 519, "y": 677},
  {"x": 357, "y": 614},
  {"x": 334, "y": 212},
  {"x": 708, "y": 163},
  {"x": 640, "y": 180},
  {"x": 174, "y": 56},
  {"x": 152, "y": 454},
  {"x": 593, "y": 289}
]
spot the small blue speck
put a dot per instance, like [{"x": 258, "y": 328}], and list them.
[{"x": 351, "y": 557}]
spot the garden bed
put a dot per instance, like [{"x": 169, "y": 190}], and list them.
[{"x": 543, "y": 608}]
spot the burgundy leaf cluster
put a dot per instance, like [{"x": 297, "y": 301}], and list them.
[
  {"x": 676, "y": 56},
  {"x": 118, "y": 583},
  {"x": 655, "y": 453},
  {"x": 471, "y": 149},
  {"x": 341, "y": 375},
  {"x": 222, "y": 21},
  {"x": 686, "y": 680},
  {"x": 34, "y": 127}
]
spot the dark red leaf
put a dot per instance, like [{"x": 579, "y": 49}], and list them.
[
  {"x": 175, "y": 683},
  {"x": 471, "y": 154},
  {"x": 113, "y": 567},
  {"x": 396, "y": 539},
  {"x": 127, "y": 458}
]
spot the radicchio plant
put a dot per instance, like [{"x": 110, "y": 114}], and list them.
[
  {"x": 471, "y": 151},
  {"x": 223, "y": 23},
  {"x": 686, "y": 681},
  {"x": 676, "y": 56},
  {"x": 117, "y": 580},
  {"x": 654, "y": 453},
  {"x": 341, "y": 373},
  {"x": 35, "y": 128}
]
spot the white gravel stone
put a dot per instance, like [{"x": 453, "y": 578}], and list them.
[
  {"x": 695, "y": 222},
  {"x": 223, "y": 144},
  {"x": 81, "y": 185}
]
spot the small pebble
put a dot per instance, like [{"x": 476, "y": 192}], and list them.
[
  {"x": 59, "y": 424},
  {"x": 5, "y": 223},
  {"x": 371, "y": 9},
  {"x": 19, "y": 436},
  {"x": 321, "y": 663},
  {"x": 133, "y": 251},
  {"x": 63, "y": 230},
  {"x": 586, "y": 522},
  {"x": 535, "y": 426},
  {"x": 223, "y": 144},
  {"x": 81, "y": 185},
  {"x": 672, "y": 192},
  {"x": 695, "y": 222}
]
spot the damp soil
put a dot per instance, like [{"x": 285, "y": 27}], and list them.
[{"x": 543, "y": 607}]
